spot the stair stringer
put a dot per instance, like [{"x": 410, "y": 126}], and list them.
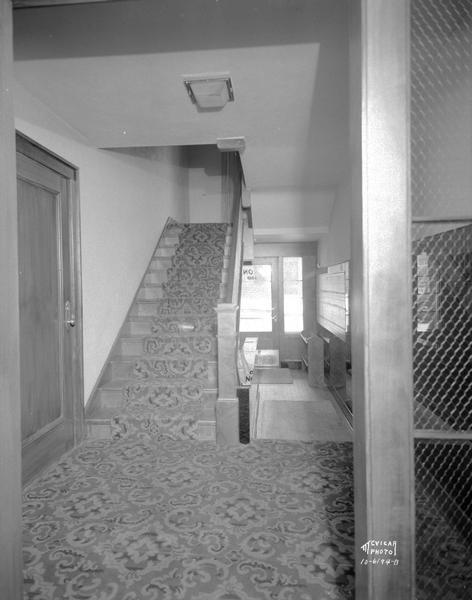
[{"x": 97, "y": 414}]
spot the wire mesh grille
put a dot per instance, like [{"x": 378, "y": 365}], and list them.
[
  {"x": 443, "y": 532},
  {"x": 442, "y": 305},
  {"x": 441, "y": 191}
]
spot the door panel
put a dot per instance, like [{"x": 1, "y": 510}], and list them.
[
  {"x": 40, "y": 347},
  {"x": 47, "y": 344},
  {"x": 263, "y": 297},
  {"x": 259, "y": 303}
]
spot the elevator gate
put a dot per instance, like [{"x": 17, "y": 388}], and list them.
[{"x": 441, "y": 193}]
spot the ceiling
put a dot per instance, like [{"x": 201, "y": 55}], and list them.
[{"x": 114, "y": 71}]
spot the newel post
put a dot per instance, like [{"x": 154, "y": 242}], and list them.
[{"x": 227, "y": 404}]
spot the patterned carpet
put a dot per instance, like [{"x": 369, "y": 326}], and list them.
[
  {"x": 154, "y": 514},
  {"x": 135, "y": 518},
  {"x": 165, "y": 391},
  {"x": 443, "y": 547}
]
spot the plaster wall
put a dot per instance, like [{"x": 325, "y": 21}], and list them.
[
  {"x": 335, "y": 246},
  {"x": 205, "y": 197},
  {"x": 291, "y": 213},
  {"x": 126, "y": 197}
]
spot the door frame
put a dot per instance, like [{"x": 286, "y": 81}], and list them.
[
  {"x": 72, "y": 339},
  {"x": 11, "y": 565},
  {"x": 381, "y": 312},
  {"x": 275, "y": 298},
  {"x": 380, "y": 95}
]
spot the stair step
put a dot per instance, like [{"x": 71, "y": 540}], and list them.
[
  {"x": 209, "y": 402},
  {"x": 98, "y": 420},
  {"x": 137, "y": 326},
  {"x": 163, "y": 349},
  {"x": 134, "y": 368},
  {"x": 98, "y": 429},
  {"x": 159, "y": 263},
  {"x": 103, "y": 411},
  {"x": 165, "y": 251},
  {"x": 109, "y": 396},
  {"x": 109, "y": 399},
  {"x": 155, "y": 277},
  {"x": 151, "y": 292},
  {"x": 206, "y": 431},
  {"x": 155, "y": 308},
  {"x": 170, "y": 239},
  {"x": 165, "y": 346},
  {"x": 145, "y": 308},
  {"x": 174, "y": 324}
]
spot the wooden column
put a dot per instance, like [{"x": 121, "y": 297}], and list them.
[
  {"x": 381, "y": 296},
  {"x": 227, "y": 404},
  {"x": 10, "y": 435}
]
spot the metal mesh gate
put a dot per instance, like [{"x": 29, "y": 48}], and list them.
[{"x": 441, "y": 187}]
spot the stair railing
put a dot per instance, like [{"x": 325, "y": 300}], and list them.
[{"x": 227, "y": 404}]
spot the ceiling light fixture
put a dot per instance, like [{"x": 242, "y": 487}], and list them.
[
  {"x": 209, "y": 91},
  {"x": 231, "y": 144}
]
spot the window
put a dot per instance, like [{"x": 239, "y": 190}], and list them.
[
  {"x": 293, "y": 294},
  {"x": 256, "y": 299}
]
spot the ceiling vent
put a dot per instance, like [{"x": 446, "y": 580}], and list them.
[{"x": 209, "y": 91}]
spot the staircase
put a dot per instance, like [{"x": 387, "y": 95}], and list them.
[{"x": 161, "y": 377}]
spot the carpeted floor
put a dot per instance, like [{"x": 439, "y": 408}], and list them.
[
  {"x": 135, "y": 518},
  {"x": 154, "y": 514}
]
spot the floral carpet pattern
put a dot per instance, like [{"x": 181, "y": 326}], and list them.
[
  {"x": 137, "y": 518},
  {"x": 443, "y": 551},
  {"x": 164, "y": 387},
  {"x": 154, "y": 514}
]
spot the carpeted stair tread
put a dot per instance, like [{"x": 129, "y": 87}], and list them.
[
  {"x": 170, "y": 325},
  {"x": 170, "y": 336},
  {"x": 170, "y": 356},
  {"x": 176, "y": 368},
  {"x": 123, "y": 385},
  {"x": 171, "y": 317},
  {"x": 182, "y": 345},
  {"x": 137, "y": 357},
  {"x": 99, "y": 412},
  {"x": 113, "y": 385},
  {"x": 131, "y": 387}
]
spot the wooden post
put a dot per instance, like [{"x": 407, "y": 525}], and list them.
[
  {"x": 381, "y": 297},
  {"x": 227, "y": 404},
  {"x": 10, "y": 435}
]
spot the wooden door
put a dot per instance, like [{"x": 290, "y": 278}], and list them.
[{"x": 49, "y": 346}]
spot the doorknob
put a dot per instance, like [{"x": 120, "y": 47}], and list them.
[{"x": 69, "y": 316}]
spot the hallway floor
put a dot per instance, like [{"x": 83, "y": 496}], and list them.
[
  {"x": 137, "y": 518},
  {"x": 296, "y": 411},
  {"x": 142, "y": 517}
]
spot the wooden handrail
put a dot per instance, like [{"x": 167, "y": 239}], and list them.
[
  {"x": 234, "y": 267},
  {"x": 227, "y": 420}
]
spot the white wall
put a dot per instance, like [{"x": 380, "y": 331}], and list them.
[
  {"x": 290, "y": 214},
  {"x": 206, "y": 200},
  {"x": 126, "y": 197},
  {"x": 335, "y": 247}
]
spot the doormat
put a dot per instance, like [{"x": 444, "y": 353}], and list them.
[
  {"x": 267, "y": 358},
  {"x": 271, "y": 375}
]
